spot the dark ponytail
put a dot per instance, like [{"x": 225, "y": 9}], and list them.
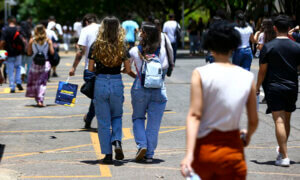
[{"x": 241, "y": 21}]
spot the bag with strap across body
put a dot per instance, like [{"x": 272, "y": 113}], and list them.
[
  {"x": 151, "y": 71},
  {"x": 39, "y": 58}
]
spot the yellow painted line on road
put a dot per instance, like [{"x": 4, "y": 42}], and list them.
[
  {"x": 270, "y": 147},
  {"x": 26, "y": 98},
  {"x": 68, "y": 64},
  {"x": 44, "y": 117},
  {"x": 96, "y": 144},
  {"x": 61, "y": 177},
  {"x": 104, "y": 169},
  {"x": 127, "y": 133},
  {"x": 47, "y": 130},
  {"x": 273, "y": 173},
  {"x": 172, "y": 130},
  {"x": 61, "y": 117},
  {"x": 46, "y": 151},
  {"x": 152, "y": 167}
]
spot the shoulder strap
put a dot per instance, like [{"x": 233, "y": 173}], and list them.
[
  {"x": 36, "y": 47},
  {"x": 44, "y": 46},
  {"x": 166, "y": 46},
  {"x": 17, "y": 33}
]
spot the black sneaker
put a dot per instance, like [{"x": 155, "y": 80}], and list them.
[
  {"x": 12, "y": 91},
  {"x": 19, "y": 86},
  {"x": 148, "y": 160},
  {"x": 118, "y": 150},
  {"x": 87, "y": 124},
  {"x": 54, "y": 74},
  {"x": 107, "y": 159},
  {"x": 140, "y": 154}
]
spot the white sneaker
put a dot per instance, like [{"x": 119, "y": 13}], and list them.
[
  {"x": 279, "y": 155},
  {"x": 283, "y": 162}
]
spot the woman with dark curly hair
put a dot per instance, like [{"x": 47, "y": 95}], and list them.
[
  {"x": 108, "y": 53},
  {"x": 219, "y": 93}
]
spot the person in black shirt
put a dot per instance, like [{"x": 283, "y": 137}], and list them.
[
  {"x": 108, "y": 52},
  {"x": 12, "y": 42},
  {"x": 279, "y": 59}
]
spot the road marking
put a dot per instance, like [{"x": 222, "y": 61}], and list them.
[
  {"x": 68, "y": 64},
  {"x": 172, "y": 130},
  {"x": 271, "y": 147},
  {"x": 127, "y": 133},
  {"x": 151, "y": 167},
  {"x": 273, "y": 173},
  {"x": 61, "y": 117},
  {"x": 46, "y": 151},
  {"x": 26, "y": 98},
  {"x": 79, "y": 176},
  {"x": 34, "y": 131},
  {"x": 93, "y": 136},
  {"x": 104, "y": 169}
]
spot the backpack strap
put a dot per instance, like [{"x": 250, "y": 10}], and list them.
[
  {"x": 16, "y": 35},
  {"x": 44, "y": 46}
]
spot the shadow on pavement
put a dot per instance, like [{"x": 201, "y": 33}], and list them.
[
  {"x": 81, "y": 130},
  {"x": 115, "y": 162},
  {"x": 46, "y": 105},
  {"x": 2, "y": 147},
  {"x": 121, "y": 162},
  {"x": 271, "y": 162}
]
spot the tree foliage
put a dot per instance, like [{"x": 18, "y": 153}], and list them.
[{"x": 71, "y": 9}]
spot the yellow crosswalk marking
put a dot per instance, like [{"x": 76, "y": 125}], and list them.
[{"x": 104, "y": 169}]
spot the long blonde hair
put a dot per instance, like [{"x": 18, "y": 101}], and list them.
[
  {"x": 40, "y": 35},
  {"x": 109, "y": 46}
]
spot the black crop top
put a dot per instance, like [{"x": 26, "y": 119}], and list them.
[{"x": 102, "y": 69}]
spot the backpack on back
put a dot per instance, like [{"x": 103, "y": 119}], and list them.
[
  {"x": 39, "y": 58},
  {"x": 151, "y": 71}
]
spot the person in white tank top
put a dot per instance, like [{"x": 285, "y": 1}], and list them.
[{"x": 219, "y": 93}]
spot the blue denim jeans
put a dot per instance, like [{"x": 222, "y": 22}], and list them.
[
  {"x": 108, "y": 101},
  {"x": 193, "y": 43},
  {"x": 243, "y": 57},
  {"x": 87, "y": 75},
  {"x": 13, "y": 69},
  {"x": 150, "y": 101}
]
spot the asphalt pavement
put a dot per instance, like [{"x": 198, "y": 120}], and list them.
[{"x": 50, "y": 142}]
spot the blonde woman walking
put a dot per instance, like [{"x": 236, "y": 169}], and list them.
[{"x": 39, "y": 47}]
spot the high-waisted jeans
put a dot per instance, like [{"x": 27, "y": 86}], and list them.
[
  {"x": 243, "y": 57},
  {"x": 108, "y": 101},
  {"x": 152, "y": 102}
]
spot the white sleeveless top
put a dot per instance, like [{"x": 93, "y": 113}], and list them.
[{"x": 225, "y": 93}]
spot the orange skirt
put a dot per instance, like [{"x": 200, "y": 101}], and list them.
[{"x": 220, "y": 155}]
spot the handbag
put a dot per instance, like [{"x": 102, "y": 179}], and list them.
[
  {"x": 88, "y": 88},
  {"x": 66, "y": 93}
]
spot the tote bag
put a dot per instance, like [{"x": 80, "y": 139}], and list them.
[{"x": 66, "y": 93}]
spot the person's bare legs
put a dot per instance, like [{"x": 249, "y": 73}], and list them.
[
  {"x": 282, "y": 130},
  {"x": 287, "y": 124}
]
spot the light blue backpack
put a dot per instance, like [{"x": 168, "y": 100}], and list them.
[{"x": 151, "y": 72}]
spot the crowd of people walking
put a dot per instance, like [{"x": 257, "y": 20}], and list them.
[{"x": 147, "y": 53}]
